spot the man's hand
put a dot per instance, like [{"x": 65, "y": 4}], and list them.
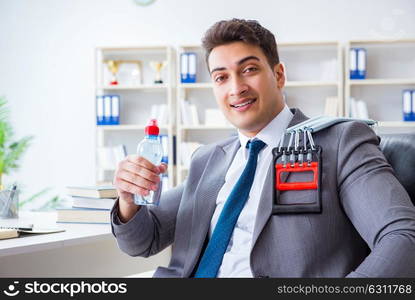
[{"x": 135, "y": 175}]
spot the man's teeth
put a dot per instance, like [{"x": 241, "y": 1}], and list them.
[{"x": 245, "y": 103}]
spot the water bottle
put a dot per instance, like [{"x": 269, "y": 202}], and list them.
[{"x": 150, "y": 148}]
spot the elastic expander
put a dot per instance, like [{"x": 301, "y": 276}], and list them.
[{"x": 302, "y": 158}]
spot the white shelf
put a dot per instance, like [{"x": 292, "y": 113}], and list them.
[
  {"x": 311, "y": 83},
  {"x": 132, "y": 111},
  {"x": 202, "y": 85},
  {"x": 384, "y": 41},
  {"x": 397, "y": 81},
  {"x": 126, "y": 127},
  {"x": 138, "y": 87},
  {"x": 396, "y": 124},
  {"x": 207, "y": 127}
]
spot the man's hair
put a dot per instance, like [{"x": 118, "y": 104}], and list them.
[{"x": 239, "y": 30}]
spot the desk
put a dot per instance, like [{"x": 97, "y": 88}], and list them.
[{"x": 82, "y": 250}]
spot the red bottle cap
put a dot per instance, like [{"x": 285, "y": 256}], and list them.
[{"x": 152, "y": 128}]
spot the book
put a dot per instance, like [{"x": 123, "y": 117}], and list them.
[
  {"x": 194, "y": 114},
  {"x": 92, "y": 191},
  {"x": 83, "y": 215},
  {"x": 101, "y": 203},
  {"x": 8, "y": 233}
]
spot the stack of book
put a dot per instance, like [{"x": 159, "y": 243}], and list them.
[{"x": 90, "y": 204}]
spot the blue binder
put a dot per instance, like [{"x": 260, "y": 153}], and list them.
[
  {"x": 100, "y": 110},
  {"x": 192, "y": 66},
  {"x": 115, "y": 110},
  {"x": 107, "y": 110},
  {"x": 407, "y": 105},
  {"x": 164, "y": 144},
  {"x": 188, "y": 62},
  {"x": 361, "y": 63},
  {"x": 413, "y": 105},
  {"x": 358, "y": 63},
  {"x": 184, "y": 63},
  {"x": 353, "y": 63}
]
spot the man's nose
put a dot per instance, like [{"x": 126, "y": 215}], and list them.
[{"x": 238, "y": 87}]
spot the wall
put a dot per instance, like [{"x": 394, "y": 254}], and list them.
[{"x": 47, "y": 59}]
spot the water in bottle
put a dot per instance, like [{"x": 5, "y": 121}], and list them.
[{"x": 150, "y": 148}]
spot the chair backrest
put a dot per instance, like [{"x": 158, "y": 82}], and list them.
[{"x": 399, "y": 150}]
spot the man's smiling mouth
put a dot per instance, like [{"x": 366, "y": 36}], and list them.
[{"x": 245, "y": 103}]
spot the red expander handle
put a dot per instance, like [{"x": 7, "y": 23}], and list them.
[{"x": 288, "y": 186}]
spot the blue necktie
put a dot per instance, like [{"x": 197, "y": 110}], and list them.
[{"x": 213, "y": 255}]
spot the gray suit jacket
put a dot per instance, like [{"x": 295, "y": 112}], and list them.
[{"x": 366, "y": 228}]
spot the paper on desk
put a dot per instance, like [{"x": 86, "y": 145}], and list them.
[{"x": 42, "y": 230}]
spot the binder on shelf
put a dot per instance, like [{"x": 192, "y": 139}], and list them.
[
  {"x": 357, "y": 63},
  {"x": 115, "y": 110},
  {"x": 184, "y": 66},
  {"x": 353, "y": 63},
  {"x": 408, "y": 105},
  {"x": 192, "y": 66},
  {"x": 361, "y": 63},
  {"x": 107, "y": 110},
  {"x": 164, "y": 144},
  {"x": 413, "y": 105},
  {"x": 188, "y": 61},
  {"x": 100, "y": 110}
]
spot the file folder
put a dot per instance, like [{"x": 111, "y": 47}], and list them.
[
  {"x": 407, "y": 105},
  {"x": 192, "y": 67},
  {"x": 107, "y": 110},
  {"x": 100, "y": 110},
  {"x": 353, "y": 63},
  {"x": 188, "y": 63},
  {"x": 361, "y": 63},
  {"x": 115, "y": 110},
  {"x": 184, "y": 66}
]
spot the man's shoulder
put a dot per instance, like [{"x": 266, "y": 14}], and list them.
[
  {"x": 346, "y": 132},
  {"x": 209, "y": 148}
]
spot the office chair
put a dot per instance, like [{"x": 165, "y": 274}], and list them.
[{"x": 399, "y": 150}]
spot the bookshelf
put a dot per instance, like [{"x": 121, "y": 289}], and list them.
[
  {"x": 138, "y": 93},
  {"x": 199, "y": 94},
  {"x": 390, "y": 68},
  {"x": 314, "y": 72}
]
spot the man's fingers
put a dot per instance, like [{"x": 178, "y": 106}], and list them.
[
  {"x": 141, "y": 161},
  {"x": 137, "y": 180},
  {"x": 163, "y": 168},
  {"x": 140, "y": 171},
  {"x": 129, "y": 187}
]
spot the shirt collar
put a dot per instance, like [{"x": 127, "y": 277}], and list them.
[{"x": 270, "y": 134}]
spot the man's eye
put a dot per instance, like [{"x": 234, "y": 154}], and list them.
[
  {"x": 219, "y": 78},
  {"x": 250, "y": 69}
]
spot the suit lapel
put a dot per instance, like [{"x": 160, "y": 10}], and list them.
[
  {"x": 265, "y": 201},
  {"x": 206, "y": 194}
]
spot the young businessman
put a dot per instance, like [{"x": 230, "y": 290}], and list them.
[{"x": 220, "y": 219}]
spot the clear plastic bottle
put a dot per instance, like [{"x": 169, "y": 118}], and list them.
[{"x": 151, "y": 149}]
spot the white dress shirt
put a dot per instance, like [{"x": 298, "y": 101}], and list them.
[{"x": 235, "y": 261}]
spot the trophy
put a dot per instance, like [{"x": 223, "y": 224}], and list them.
[
  {"x": 158, "y": 66},
  {"x": 114, "y": 67}
]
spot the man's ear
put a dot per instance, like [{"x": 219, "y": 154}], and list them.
[{"x": 279, "y": 71}]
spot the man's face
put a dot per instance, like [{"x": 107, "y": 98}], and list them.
[{"x": 247, "y": 89}]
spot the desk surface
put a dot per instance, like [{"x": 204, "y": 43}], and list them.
[{"x": 74, "y": 234}]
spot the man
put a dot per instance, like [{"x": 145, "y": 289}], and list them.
[{"x": 220, "y": 219}]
